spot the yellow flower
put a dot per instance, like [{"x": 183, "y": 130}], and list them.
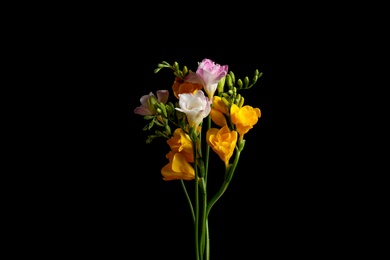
[
  {"x": 244, "y": 118},
  {"x": 178, "y": 168},
  {"x": 181, "y": 142},
  {"x": 222, "y": 141},
  {"x": 218, "y": 112},
  {"x": 183, "y": 87}
]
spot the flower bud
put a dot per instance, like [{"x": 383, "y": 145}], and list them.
[
  {"x": 226, "y": 102},
  {"x": 241, "y": 103},
  {"x": 152, "y": 100},
  {"x": 161, "y": 107},
  {"x": 221, "y": 84},
  {"x": 176, "y": 66},
  {"x": 229, "y": 81},
  {"x": 232, "y": 76},
  {"x": 239, "y": 83},
  {"x": 246, "y": 82}
]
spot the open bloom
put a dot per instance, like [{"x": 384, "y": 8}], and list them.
[
  {"x": 222, "y": 141},
  {"x": 181, "y": 87},
  {"x": 244, "y": 118},
  {"x": 208, "y": 74},
  {"x": 178, "y": 168},
  {"x": 180, "y": 142},
  {"x": 147, "y": 102},
  {"x": 195, "y": 106}
]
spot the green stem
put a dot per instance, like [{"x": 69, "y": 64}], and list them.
[
  {"x": 196, "y": 205},
  {"x": 229, "y": 176},
  {"x": 207, "y": 149},
  {"x": 204, "y": 218},
  {"x": 188, "y": 199},
  {"x": 207, "y": 240}
]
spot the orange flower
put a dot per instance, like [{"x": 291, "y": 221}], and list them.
[
  {"x": 218, "y": 112},
  {"x": 222, "y": 141},
  {"x": 178, "y": 168},
  {"x": 180, "y": 142},
  {"x": 183, "y": 87},
  {"x": 244, "y": 118}
]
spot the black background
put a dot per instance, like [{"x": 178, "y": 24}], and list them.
[{"x": 106, "y": 196}]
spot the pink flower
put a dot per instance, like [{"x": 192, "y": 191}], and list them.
[
  {"x": 195, "y": 106},
  {"x": 148, "y": 101},
  {"x": 208, "y": 74}
]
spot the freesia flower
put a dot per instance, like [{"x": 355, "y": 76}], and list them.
[
  {"x": 208, "y": 74},
  {"x": 180, "y": 87},
  {"x": 244, "y": 118},
  {"x": 147, "y": 102},
  {"x": 222, "y": 141},
  {"x": 202, "y": 96},
  {"x": 195, "y": 106},
  {"x": 218, "y": 112},
  {"x": 178, "y": 168},
  {"x": 180, "y": 142}
]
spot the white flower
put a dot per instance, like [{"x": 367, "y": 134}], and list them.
[{"x": 196, "y": 107}]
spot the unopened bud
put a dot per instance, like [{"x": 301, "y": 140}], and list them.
[
  {"x": 163, "y": 109},
  {"x": 238, "y": 98},
  {"x": 246, "y": 82},
  {"x": 152, "y": 100},
  {"x": 241, "y": 102},
  {"x": 225, "y": 101},
  {"x": 221, "y": 84},
  {"x": 232, "y": 76},
  {"x": 229, "y": 81},
  {"x": 175, "y": 66},
  {"x": 239, "y": 83}
]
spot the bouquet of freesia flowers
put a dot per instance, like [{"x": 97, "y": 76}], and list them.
[{"x": 207, "y": 112}]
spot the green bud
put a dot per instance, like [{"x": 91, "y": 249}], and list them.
[
  {"x": 239, "y": 83},
  {"x": 159, "y": 111},
  {"x": 255, "y": 79},
  {"x": 229, "y": 81},
  {"x": 241, "y": 103},
  {"x": 232, "y": 76},
  {"x": 185, "y": 70},
  {"x": 225, "y": 101},
  {"x": 169, "y": 109},
  {"x": 175, "y": 66},
  {"x": 152, "y": 100},
  {"x": 246, "y": 82},
  {"x": 221, "y": 84},
  {"x": 161, "y": 106},
  {"x": 238, "y": 98}
]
